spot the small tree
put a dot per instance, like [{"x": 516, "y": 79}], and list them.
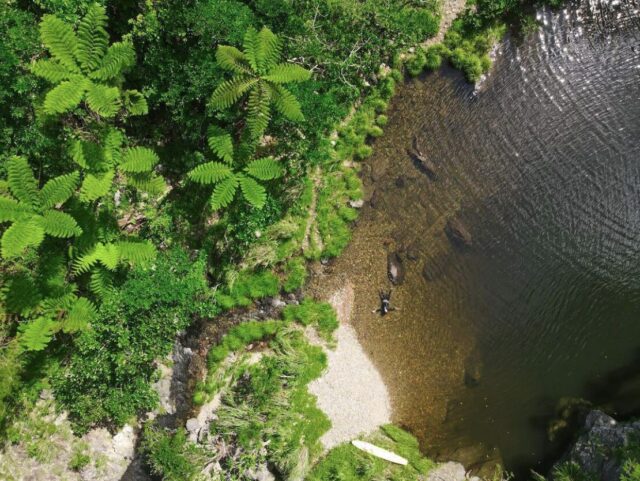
[{"x": 259, "y": 74}]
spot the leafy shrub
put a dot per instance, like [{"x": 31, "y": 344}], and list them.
[
  {"x": 108, "y": 376},
  {"x": 416, "y": 63},
  {"x": 382, "y": 120}
]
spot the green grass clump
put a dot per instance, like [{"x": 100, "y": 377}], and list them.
[
  {"x": 347, "y": 463},
  {"x": 248, "y": 287},
  {"x": 296, "y": 273},
  {"x": 309, "y": 312},
  {"x": 416, "y": 63},
  {"x": 170, "y": 455},
  {"x": 382, "y": 120}
]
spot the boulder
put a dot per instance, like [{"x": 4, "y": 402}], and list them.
[
  {"x": 447, "y": 472},
  {"x": 458, "y": 233},
  {"x": 395, "y": 268}
]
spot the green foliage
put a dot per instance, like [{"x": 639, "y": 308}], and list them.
[
  {"x": 345, "y": 462},
  {"x": 309, "y": 312},
  {"x": 107, "y": 378},
  {"x": 83, "y": 66},
  {"x": 570, "y": 471},
  {"x": 170, "y": 454},
  {"x": 258, "y": 74},
  {"x": 296, "y": 273},
  {"x": 247, "y": 287}
]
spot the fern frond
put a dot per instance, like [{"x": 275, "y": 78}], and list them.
[
  {"x": 59, "y": 189},
  {"x": 59, "y": 224},
  {"x": 36, "y": 335},
  {"x": 96, "y": 186},
  {"x": 210, "y": 173},
  {"x": 287, "y": 72},
  {"x": 103, "y": 100},
  {"x": 150, "y": 183},
  {"x": 100, "y": 282},
  {"x": 19, "y": 236},
  {"x": 255, "y": 194},
  {"x": 51, "y": 70},
  {"x": 108, "y": 255},
  {"x": 92, "y": 38},
  {"x": 232, "y": 59},
  {"x": 221, "y": 143},
  {"x": 269, "y": 50},
  {"x": 259, "y": 111},
  {"x": 21, "y": 295},
  {"x": 137, "y": 253},
  {"x": 22, "y": 183},
  {"x": 229, "y": 91},
  {"x": 285, "y": 103},
  {"x": 135, "y": 103},
  {"x": 65, "y": 96},
  {"x": 138, "y": 159},
  {"x": 12, "y": 211},
  {"x": 251, "y": 47},
  {"x": 87, "y": 260},
  {"x": 265, "y": 168},
  {"x": 61, "y": 41},
  {"x": 112, "y": 151},
  {"x": 81, "y": 313},
  {"x": 224, "y": 193},
  {"x": 55, "y": 306},
  {"x": 119, "y": 56}
]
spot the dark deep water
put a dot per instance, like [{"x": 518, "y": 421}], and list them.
[{"x": 543, "y": 167}]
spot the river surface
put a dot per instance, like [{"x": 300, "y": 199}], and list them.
[{"x": 542, "y": 166}]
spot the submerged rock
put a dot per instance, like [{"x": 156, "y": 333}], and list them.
[
  {"x": 421, "y": 161},
  {"x": 458, "y": 233},
  {"x": 395, "y": 268},
  {"x": 447, "y": 472}
]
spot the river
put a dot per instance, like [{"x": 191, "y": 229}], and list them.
[{"x": 542, "y": 167}]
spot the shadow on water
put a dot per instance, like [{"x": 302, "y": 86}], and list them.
[{"x": 536, "y": 304}]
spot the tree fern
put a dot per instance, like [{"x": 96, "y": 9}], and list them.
[
  {"x": 59, "y": 224},
  {"x": 92, "y": 38},
  {"x": 103, "y": 100},
  {"x": 255, "y": 194},
  {"x": 148, "y": 182},
  {"x": 60, "y": 40},
  {"x": 59, "y": 189},
  {"x": 257, "y": 71},
  {"x": 265, "y": 168},
  {"x": 224, "y": 193},
  {"x": 96, "y": 186},
  {"x": 135, "y": 103},
  {"x": 81, "y": 313},
  {"x": 22, "y": 183},
  {"x": 210, "y": 173},
  {"x": 51, "y": 70},
  {"x": 100, "y": 282},
  {"x": 19, "y": 236},
  {"x": 66, "y": 96},
  {"x": 11, "y": 210},
  {"x": 36, "y": 335},
  {"x": 20, "y": 295},
  {"x": 221, "y": 143},
  {"x": 138, "y": 159},
  {"x": 136, "y": 253},
  {"x": 119, "y": 56}
]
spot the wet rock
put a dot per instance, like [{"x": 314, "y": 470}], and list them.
[
  {"x": 595, "y": 451},
  {"x": 356, "y": 204},
  {"x": 193, "y": 428},
  {"x": 395, "y": 268},
  {"x": 374, "y": 201},
  {"x": 277, "y": 303},
  {"x": 447, "y": 472},
  {"x": 421, "y": 161},
  {"x": 458, "y": 233},
  {"x": 430, "y": 271},
  {"x": 262, "y": 473},
  {"x": 412, "y": 252}
]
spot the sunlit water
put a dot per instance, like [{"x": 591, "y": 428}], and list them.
[{"x": 542, "y": 165}]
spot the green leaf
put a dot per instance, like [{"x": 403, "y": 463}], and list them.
[
  {"x": 287, "y": 72},
  {"x": 137, "y": 253},
  {"x": 22, "y": 183},
  {"x": 210, "y": 173},
  {"x": 108, "y": 255},
  {"x": 12, "y": 211},
  {"x": 286, "y": 103},
  {"x": 112, "y": 151},
  {"x": 100, "y": 282},
  {"x": 51, "y": 70},
  {"x": 259, "y": 111},
  {"x": 232, "y": 59},
  {"x": 147, "y": 182},
  {"x": 138, "y": 159},
  {"x": 65, "y": 96},
  {"x": 59, "y": 189},
  {"x": 224, "y": 193},
  {"x": 255, "y": 194},
  {"x": 251, "y": 47},
  {"x": 36, "y": 335},
  {"x": 269, "y": 49},
  {"x": 59, "y": 224},
  {"x": 21, "y": 295},
  {"x": 81, "y": 313},
  {"x": 19, "y": 236},
  {"x": 92, "y": 37},
  {"x": 265, "y": 168},
  {"x": 221, "y": 143},
  {"x": 61, "y": 41},
  {"x": 96, "y": 186},
  {"x": 135, "y": 103},
  {"x": 119, "y": 56},
  {"x": 229, "y": 91},
  {"x": 105, "y": 101}
]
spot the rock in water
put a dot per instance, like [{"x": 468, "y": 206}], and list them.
[
  {"x": 395, "y": 268},
  {"x": 423, "y": 164},
  {"x": 458, "y": 233}
]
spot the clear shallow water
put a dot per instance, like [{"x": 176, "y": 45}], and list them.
[{"x": 543, "y": 167}]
